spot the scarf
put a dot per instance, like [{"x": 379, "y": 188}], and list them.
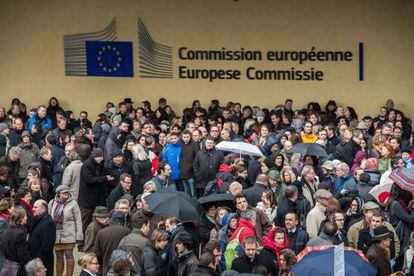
[
  {"x": 27, "y": 205},
  {"x": 58, "y": 213}
]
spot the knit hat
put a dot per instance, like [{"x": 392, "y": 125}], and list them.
[
  {"x": 335, "y": 162},
  {"x": 62, "y": 189},
  {"x": 118, "y": 254},
  {"x": 275, "y": 175},
  {"x": 117, "y": 118},
  {"x": 26, "y": 133},
  {"x": 260, "y": 113},
  {"x": 3, "y": 126},
  {"x": 116, "y": 152},
  {"x": 97, "y": 152}
]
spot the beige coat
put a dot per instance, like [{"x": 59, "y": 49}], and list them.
[
  {"x": 353, "y": 234},
  {"x": 71, "y": 177},
  {"x": 72, "y": 222},
  {"x": 314, "y": 219}
]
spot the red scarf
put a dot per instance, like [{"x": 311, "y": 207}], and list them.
[
  {"x": 269, "y": 242},
  {"x": 27, "y": 205}
]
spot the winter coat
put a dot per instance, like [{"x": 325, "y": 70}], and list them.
[
  {"x": 345, "y": 184},
  {"x": 349, "y": 151},
  {"x": 28, "y": 154},
  {"x": 171, "y": 155},
  {"x": 187, "y": 263},
  {"x": 254, "y": 193},
  {"x": 111, "y": 144},
  {"x": 90, "y": 185},
  {"x": 71, "y": 230},
  {"x": 4, "y": 145},
  {"x": 141, "y": 173},
  {"x": 365, "y": 242},
  {"x": 107, "y": 241},
  {"x": 246, "y": 228},
  {"x": 115, "y": 195},
  {"x": 314, "y": 219},
  {"x": 291, "y": 159},
  {"x": 14, "y": 246},
  {"x": 374, "y": 176},
  {"x": 134, "y": 243},
  {"x": 152, "y": 262},
  {"x": 90, "y": 235},
  {"x": 71, "y": 177},
  {"x": 115, "y": 170},
  {"x": 187, "y": 157},
  {"x": 322, "y": 239},
  {"x": 243, "y": 264},
  {"x": 203, "y": 270},
  {"x": 270, "y": 212},
  {"x": 206, "y": 166},
  {"x": 268, "y": 259},
  {"x": 297, "y": 239},
  {"x": 59, "y": 170},
  {"x": 28, "y": 208},
  {"x": 378, "y": 259},
  {"x": 403, "y": 222},
  {"x": 45, "y": 123},
  {"x": 15, "y": 137},
  {"x": 42, "y": 240},
  {"x": 269, "y": 243},
  {"x": 206, "y": 226},
  {"x": 14, "y": 166},
  {"x": 363, "y": 190}
]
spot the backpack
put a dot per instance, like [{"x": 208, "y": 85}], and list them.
[
  {"x": 230, "y": 253},
  {"x": 211, "y": 188}
]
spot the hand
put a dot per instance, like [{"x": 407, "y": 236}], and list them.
[{"x": 109, "y": 177}]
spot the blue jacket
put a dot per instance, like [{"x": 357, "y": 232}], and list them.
[
  {"x": 45, "y": 122},
  {"x": 347, "y": 183},
  {"x": 171, "y": 155}
]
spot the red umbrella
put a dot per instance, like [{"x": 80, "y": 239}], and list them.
[{"x": 404, "y": 178}]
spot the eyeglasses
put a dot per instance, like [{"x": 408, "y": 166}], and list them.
[{"x": 94, "y": 263}]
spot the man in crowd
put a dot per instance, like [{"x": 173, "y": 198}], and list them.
[
  {"x": 317, "y": 214},
  {"x": 246, "y": 262},
  {"x": 100, "y": 219},
  {"x": 297, "y": 237},
  {"x": 124, "y": 187}
]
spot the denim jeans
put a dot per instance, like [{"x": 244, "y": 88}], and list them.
[{"x": 189, "y": 187}]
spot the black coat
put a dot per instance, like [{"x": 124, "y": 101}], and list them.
[
  {"x": 285, "y": 206},
  {"x": 188, "y": 154},
  {"x": 42, "y": 240},
  {"x": 91, "y": 185},
  {"x": 141, "y": 173},
  {"x": 14, "y": 245},
  {"x": 116, "y": 171},
  {"x": 15, "y": 137},
  {"x": 365, "y": 242},
  {"x": 243, "y": 264},
  {"x": 268, "y": 259},
  {"x": 152, "y": 262},
  {"x": 349, "y": 151},
  {"x": 14, "y": 166},
  {"x": 254, "y": 193},
  {"x": 297, "y": 240},
  {"x": 203, "y": 270},
  {"x": 206, "y": 166},
  {"x": 205, "y": 228},
  {"x": 115, "y": 195}
]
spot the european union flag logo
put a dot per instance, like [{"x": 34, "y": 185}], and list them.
[{"x": 109, "y": 59}]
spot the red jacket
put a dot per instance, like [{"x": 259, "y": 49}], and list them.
[{"x": 246, "y": 228}]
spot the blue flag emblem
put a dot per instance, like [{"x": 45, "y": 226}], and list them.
[{"x": 109, "y": 59}]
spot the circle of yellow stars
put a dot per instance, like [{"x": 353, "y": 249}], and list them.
[{"x": 109, "y": 49}]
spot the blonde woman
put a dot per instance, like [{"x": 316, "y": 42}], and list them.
[
  {"x": 287, "y": 175},
  {"x": 141, "y": 169},
  {"x": 89, "y": 264}
]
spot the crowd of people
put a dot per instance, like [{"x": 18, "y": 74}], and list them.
[{"x": 66, "y": 182}]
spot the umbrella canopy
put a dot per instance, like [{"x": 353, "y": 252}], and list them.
[
  {"x": 381, "y": 191},
  {"x": 310, "y": 264},
  {"x": 309, "y": 149},
  {"x": 404, "y": 178},
  {"x": 174, "y": 204},
  {"x": 239, "y": 147},
  {"x": 218, "y": 200}
]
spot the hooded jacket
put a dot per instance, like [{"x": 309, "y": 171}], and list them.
[
  {"x": 246, "y": 228},
  {"x": 269, "y": 242},
  {"x": 171, "y": 155}
]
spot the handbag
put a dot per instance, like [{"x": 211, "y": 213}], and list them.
[{"x": 10, "y": 268}]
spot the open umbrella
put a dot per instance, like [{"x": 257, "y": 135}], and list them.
[
  {"x": 218, "y": 200},
  {"x": 239, "y": 147},
  {"x": 321, "y": 263},
  {"x": 309, "y": 149},
  {"x": 174, "y": 204},
  {"x": 381, "y": 191},
  {"x": 404, "y": 178}
]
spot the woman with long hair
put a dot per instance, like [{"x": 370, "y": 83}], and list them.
[
  {"x": 399, "y": 205},
  {"x": 67, "y": 217},
  {"x": 13, "y": 240},
  {"x": 141, "y": 169},
  {"x": 22, "y": 199},
  {"x": 268, "y": 204}
]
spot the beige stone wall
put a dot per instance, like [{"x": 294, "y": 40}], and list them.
[{"x": 32, "y": 61}]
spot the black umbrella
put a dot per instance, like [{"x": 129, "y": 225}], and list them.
[
  {"x": 174, "y": 204},
  {"x": 218, "y": 200},
  {"x": 309, "y": 149}
]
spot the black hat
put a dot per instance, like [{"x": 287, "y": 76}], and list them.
[
  {"x": 128, "y": 101},
  {"x": 381, "y": 233},
  {"x": 101, "y": 212},
  {"x": 116, "y": 152}
]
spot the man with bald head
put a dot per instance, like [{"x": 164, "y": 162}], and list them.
[{"x": 43, "y": 235}]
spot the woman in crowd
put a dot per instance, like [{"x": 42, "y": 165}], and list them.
[
  {"x": 268, "y": 204},
  {"x": 89, "y": 264},
  {"x": 67, "y": 217},
  {"x": 13, "y": 240},
  {"x": 152, "y": 262},
  {"x": 22, "y": 199}
]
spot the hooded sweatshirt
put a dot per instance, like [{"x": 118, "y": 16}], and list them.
[{"x": 269, "y": 242}]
